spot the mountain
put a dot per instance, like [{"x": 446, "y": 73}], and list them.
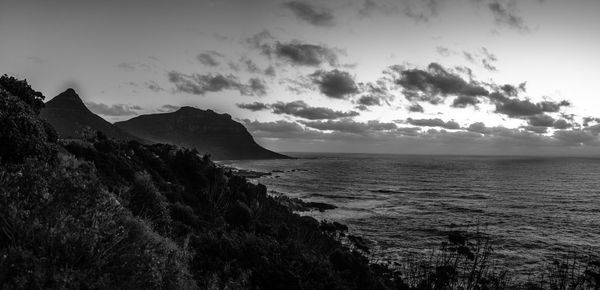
[
  {"x": 69, "y": 116},
  {"x": 205, "y": 130}
]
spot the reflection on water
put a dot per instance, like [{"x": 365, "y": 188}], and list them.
[{"x": 534, "y": 208}]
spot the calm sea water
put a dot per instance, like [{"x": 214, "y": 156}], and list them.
[{"x": 535, "y": 209}]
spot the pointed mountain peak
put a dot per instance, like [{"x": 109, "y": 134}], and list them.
[{"x": 67, "y": 99}]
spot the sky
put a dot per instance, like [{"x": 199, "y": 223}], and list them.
[{"x": 500, "y": 77}]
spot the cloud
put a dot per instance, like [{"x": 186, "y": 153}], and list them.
[
  {"x": 433, "y": 123},
  {"x": 168, "y": 108},
  {"x": 576, "y": 137},
  {"x": 200, "y": 84},
  {"x": 335, "y": 84},
  {"x": 482, "y": 57},
  {"x": 270, "y": 71},
  {"x": 464, "y": 101},
  {"x": 302, "y": 110},
  {"x": 310, "y": 14},
  {"x": 251, "y": 67},
  {"x": 261, "y": 42},
  {"x": 561, "y": 124},
  {"x": 421, "y": 10},
  {"x": 505, "y": 14},
  {"x": 415, "y": 108},
  {"x": 305, "y": 54},
  {"x": 377, "y": 94},
  {"x": 536, "y": 129},
  {"x": 299, "y": 109},
  {"x": 255, "y": 106},
  {"x": 369, "y": 7},
  {"x": 541, "y": 120},
  {"x": 209, "y": 58},
  {"x": 256, "y": 87},
  {"x": 279, "y": 126},
  {"x": 435, "y": 83},
  {"x": 127, "y": 66},
  {"x": 488, "y": 59},
  {"x": 112, "y": 110},
  {"x": 369, "y": 101},
  {"x": 349, "y": 126},
  {"x": 443, "y": 51},
  {"x": 153, "y": 86},
  {"x": 519, "y": 108}
]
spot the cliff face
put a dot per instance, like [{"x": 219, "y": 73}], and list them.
[
  {"x": 70, "y": 117},
  {"x": 205, "y": 130}
]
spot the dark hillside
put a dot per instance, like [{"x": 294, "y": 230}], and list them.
[
  {"x": 71, "y": 118},
  {"x": 205, "y": 130}
]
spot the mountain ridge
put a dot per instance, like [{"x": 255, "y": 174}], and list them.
[
  {"x": 70, "y": 117},
  {"x": 205, "y": 130}
]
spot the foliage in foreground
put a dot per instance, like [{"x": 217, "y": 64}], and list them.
[{"x": 102, "y": 214}]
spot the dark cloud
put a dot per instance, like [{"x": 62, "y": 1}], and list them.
[
  {"x": 209, "y": 58},
  {"x": 416, "y": 108},
  {"x": 112, "y": 110},
  {"x": 256, "y": 87},
  {"x": 519, "y": 108},
  {"x": 349, "y": 126},
  {"x": 313, "y": 15},
  {"x": 541, "y": 120},
  {"x": 549, "y": 106},
  {"x": 433, "y": 123},
  {"x": 588, "y": 120},
  {"x": 369, "y": 101},
  {"x": 377, "y": 94},
  {"x": 478, "y": 127},
  {"x": 255, "y": 106},
  {"x": 335, "y": 84},
  {"x": 505, "y": 14},
  {"x": 561, "y": 124},
  {"x": 510, "y": 90},
  {"x": 464, "y": 101},
  {"x": 200, "y": 84},
  {"x": 302, "y": 110},
  {"x": 436, "y": 82},
  {"x": 305, "y": 54}
]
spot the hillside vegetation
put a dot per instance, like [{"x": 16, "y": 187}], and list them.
[{"x": 98, "y": 213}]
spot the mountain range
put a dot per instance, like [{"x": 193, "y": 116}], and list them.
[{"x": 207, "y": 131}]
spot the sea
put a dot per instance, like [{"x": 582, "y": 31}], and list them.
[{"x": 534, "y": 209}]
